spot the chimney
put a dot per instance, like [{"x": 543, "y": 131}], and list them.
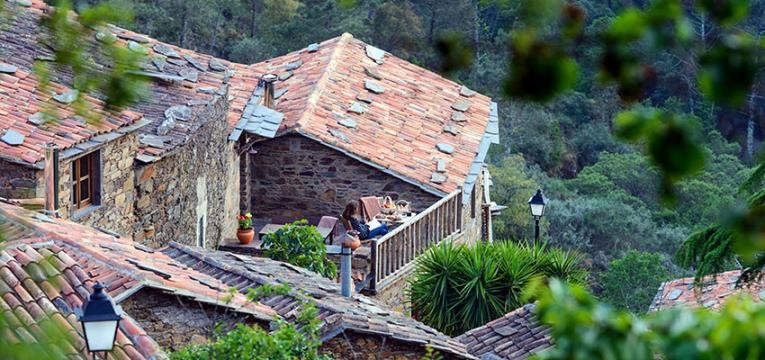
[
  {"x": 346, "y": 256},
  {"x": 50, "y": 173},
  {"x": 268, "y": 90}
]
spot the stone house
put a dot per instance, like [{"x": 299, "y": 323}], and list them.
[
  {"x": 160, "y": 171},
  {"x": 297, "y": 136},
  {"x": 175, "y": 296},
  {"x": 353, "y": 120}
]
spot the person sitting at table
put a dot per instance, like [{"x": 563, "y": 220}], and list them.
[{"x": 351, "y": 213}]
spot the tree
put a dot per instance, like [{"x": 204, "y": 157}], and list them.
[
  {"x": 632, "y": 281},
  {"x": 513, "y": 185},
  {"x": 397, "y": 28}
]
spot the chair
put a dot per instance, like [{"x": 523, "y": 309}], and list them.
[
  {"x": 370, "y": 207},
  {"x": 329, "y": 222}
]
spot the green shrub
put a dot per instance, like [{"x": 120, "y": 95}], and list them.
[
  {"x": 300, "y": 244},
  {"x": 632, "y": 281},
  {"x": 458, "y": 287}
]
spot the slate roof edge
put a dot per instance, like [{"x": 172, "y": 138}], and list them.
[
  {"x": 483, "y": 150},
  {"x": 423, "y": 186},
  {"x": 123, "y": 130}
]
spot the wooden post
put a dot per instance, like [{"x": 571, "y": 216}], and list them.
[{"x": 373, "y": 266}]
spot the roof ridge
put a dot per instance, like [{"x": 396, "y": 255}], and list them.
[{"x": 319, "y": 87}]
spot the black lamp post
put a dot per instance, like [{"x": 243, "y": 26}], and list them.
[
  {"x": 100, "y": 319},
  {"x": 537, "y": 206}
]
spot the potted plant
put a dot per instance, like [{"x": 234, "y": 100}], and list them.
[{"x": 245, "y": 233}]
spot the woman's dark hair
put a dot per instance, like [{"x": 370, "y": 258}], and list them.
[{"x": 350, "y": 210}]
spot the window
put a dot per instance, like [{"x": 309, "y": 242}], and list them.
[{"x": 86, "y": 181}]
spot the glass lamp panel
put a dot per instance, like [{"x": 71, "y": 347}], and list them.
[
  {"x": 537, "y": 209},
  {"x": 100, "y": 334}
]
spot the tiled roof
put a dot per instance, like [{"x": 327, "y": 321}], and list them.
[
  {"x": 517, "y": 335},
  {"x": 360, "y": 100},
  {"x": 21, "y": 113},
  {"x": 42, "y": 283},
  {"x": 338, "y": 314},
  {"x": 184, "y": 83},
  {"x": 387, "y": 112},
  {"x": 65, "y": 259},
  {"x": 710, "y": 293}
]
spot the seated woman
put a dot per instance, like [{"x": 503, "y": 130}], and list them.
[{"x": 351, "y": 213}]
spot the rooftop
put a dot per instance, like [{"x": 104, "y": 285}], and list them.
[
  {"x": 380, "y": 109},
  {"x": 517, "y": 335},
  {"x": 350, "y": 96},
  {"x": 711, "y": 292},
  {"x": 185, "y": 84}
]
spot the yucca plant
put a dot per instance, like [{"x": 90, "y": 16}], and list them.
[
  {"x": 457, "y": 287},
  {"x": 433, "y": 291}
]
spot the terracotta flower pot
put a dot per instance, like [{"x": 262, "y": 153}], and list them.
[
  {"x": 245, "y": 236},
  {"x": 352, "y": 242}
]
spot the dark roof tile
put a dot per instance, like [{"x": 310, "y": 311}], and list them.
[{"x": 516, "y": 335}]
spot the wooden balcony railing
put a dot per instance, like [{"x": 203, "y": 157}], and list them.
[{"x": 392, "y": 255}]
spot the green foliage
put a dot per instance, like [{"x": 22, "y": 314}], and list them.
[
  {"x": 583, "y": 328},
  {"x": 632, "y": 281},
  {"x": 513, "y": 186},
  {"x": 300, "y": 244},
  {"x": 457, "y": 288}
]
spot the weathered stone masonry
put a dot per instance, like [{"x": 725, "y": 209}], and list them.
[
  {"x": 114, "y": 212},
  {"x": 174, "y": 321},
  {"x": 17, "y": 181},
  {"x": 168, "y": 200},
  {"x": 293, "y": 176}
]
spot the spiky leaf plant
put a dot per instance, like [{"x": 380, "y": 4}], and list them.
[{"x": 458, "y": 287}]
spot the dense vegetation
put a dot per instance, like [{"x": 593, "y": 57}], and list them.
[{"x": 458, "y": 287}]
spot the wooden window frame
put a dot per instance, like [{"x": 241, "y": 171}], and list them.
[{"x": 93, "y": 177}]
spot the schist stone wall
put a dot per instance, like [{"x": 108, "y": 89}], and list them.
[
  {"x": 351, "y": 345},
  {"x": 293, "y": 176},
  {"x": 17, "y": 181},
  {"x": 114, "y": 212},
  {"x": 175, "y": 321},
  {"x": 191, "y": 196}
]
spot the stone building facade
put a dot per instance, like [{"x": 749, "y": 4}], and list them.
[
  {"x": 293, "y": 176},
  {"x": 113, "y": 210},
  {"x": 17, "y": 181},
  {"x": 191, "y": 195}
]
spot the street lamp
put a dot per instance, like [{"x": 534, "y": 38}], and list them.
[
  {"x": 537, "y": 206},
  {"x": 100, "y": 319}
]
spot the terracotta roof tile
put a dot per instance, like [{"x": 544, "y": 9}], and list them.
[
  {"x": 46, "y": 291},
  {"x": 711, "y": 292},
  {"x": 516, "y": 335}
]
